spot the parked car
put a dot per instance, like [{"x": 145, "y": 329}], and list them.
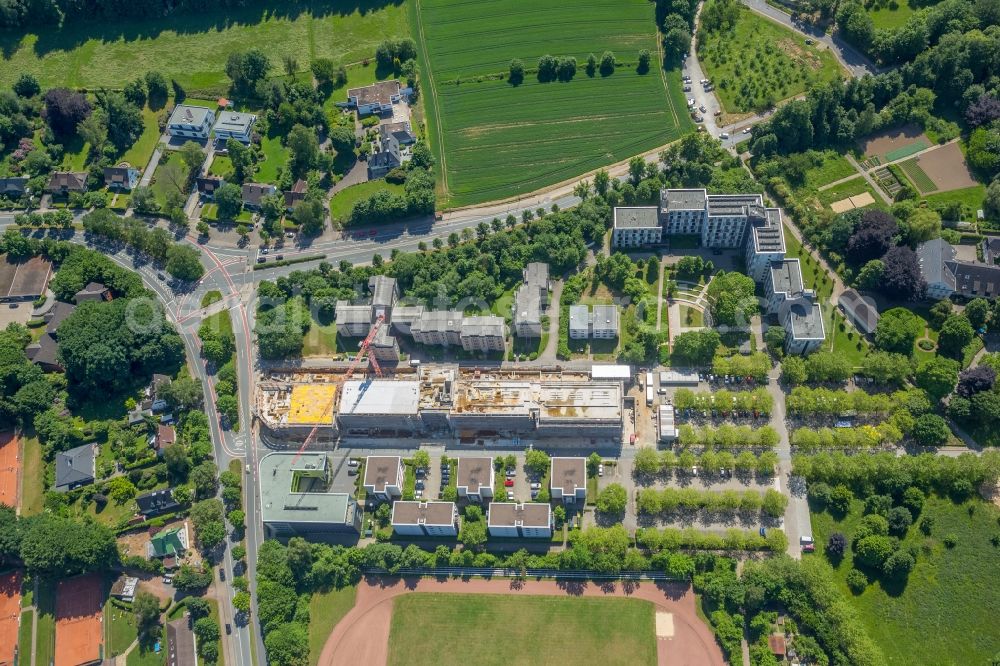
[
  {"x": 509, "y": 483},
  {"x": 748, "y": 129},
  {"x": 687, "y": 88},
  {"x": 536, "y": 486},
  {"x": 261, "y": 260},
  {"x": 600, "y": 469},
  {"x": 510, "y": 495},
  {"x": 806, "y": 541},
  {"x": 418, "y": 494},
  {"x": 511, "y": 473},
  {"x": 702, "y": 109},
  {"x": 229, "y": 628},
  {"x": 353, "y": 462},
  {"x": 222, "y": 574},
  {"x": 419, "y": 485}
]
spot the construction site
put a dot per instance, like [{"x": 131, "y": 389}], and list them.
[{"x": 466, "y": 405}]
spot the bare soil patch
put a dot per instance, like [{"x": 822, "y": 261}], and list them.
[
  {"x": 884, "y": 142},
  {"x": 946, "y": 166}
]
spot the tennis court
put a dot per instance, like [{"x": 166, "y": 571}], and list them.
[
  {"x": 10, "y": 614},
  {"x": 10, "y": 467},
  {"x": 79, "y": 620}
]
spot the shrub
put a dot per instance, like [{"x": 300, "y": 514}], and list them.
[
  {"x": 950, "y": 540},
  {"x": 857, "y": 581}
]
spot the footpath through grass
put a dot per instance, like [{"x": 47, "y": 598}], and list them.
[
  {"x": 193, "y": 47},
  {"x": 497, "y": 629},
  {"x": 946, "y": 611},
  {"x": 760, "y": 63},
  {"x": 326, "y": 609},
  {"x": 496, "y": 140}
]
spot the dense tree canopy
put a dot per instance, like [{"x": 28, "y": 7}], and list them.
[{"x": 105, "y": 345}]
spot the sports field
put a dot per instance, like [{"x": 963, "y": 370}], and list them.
[
  {"x": 10, "y": 466},
  {"x": 496, "y": 629},
  {"x": 193, "y": 48},
  {"x": 79, "y": 620},
  {"x": 10, "y": 612},
  {"x": 495, "y": 140}
]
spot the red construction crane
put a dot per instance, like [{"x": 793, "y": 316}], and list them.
[{"x": 363, "y": 351}]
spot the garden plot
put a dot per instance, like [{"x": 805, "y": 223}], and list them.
[
  {"x": 895, "y": 144},
  {"x": 945, "y": 168}
]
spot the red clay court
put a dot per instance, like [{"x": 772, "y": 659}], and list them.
[
  {"x": 79, "y": 620},
  {"x": 10, "y": 467},
  {"x": 10, "y": 614},
  {"x": 362, "y": 636}
]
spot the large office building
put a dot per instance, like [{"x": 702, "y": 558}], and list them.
[{"x": 296, "y": 500}]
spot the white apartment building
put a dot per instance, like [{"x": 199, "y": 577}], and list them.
[
  {"x": 486, "y": 333},
  {"x": 512, "y": 520},
  {"x": 384, "y": 477},
  {"x": 190, "y": 122},
  {"x": 233, "y": 125},
  {"x": 601, "y": 323},
  {"x": 474, "y": 478},
  {"x": 425, "y": 518},
  {"x": 568, "y": 480}
]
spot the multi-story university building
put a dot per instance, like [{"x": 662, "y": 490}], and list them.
[{"x": 732, "y": 221}]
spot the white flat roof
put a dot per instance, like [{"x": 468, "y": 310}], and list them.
[
  {"x": 610, "y": 372},
  {"x": 380, "y": 396}
]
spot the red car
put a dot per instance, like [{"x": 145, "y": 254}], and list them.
[{"x": 509, "y": 483}]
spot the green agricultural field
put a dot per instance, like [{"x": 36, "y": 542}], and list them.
[
  {"x": 495, "y": 140},
  {"x": 952, "y": 595},
  {"x": 760, "y": 63},
  {"x": 192, "y": 48},
  {"x": 920, "y": 179},
  {"x": 520, "y": 630}
]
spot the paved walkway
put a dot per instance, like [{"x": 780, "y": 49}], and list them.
[
  {"x": 362, "y": 636},
  {"x": 555, "y": 309},
  {"x": 867, "y": 176}
]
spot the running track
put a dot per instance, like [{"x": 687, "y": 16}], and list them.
[{"x": 362, "y": 636}]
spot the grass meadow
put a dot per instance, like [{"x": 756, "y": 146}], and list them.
[
  {"x": 943, "y": 613},
  {"x": 193, "y": 48},
  {"x": 760, "y": 63},
  {"x": 429, "y": 628},
  {"x": 495, "y": 140}
]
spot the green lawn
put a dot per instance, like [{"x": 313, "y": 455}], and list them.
[
  {"x": 140, "y": 152},
  {"x": 213, "y": 296},
  {"x": 75, "y": 154},
  {"x": 275, "y": 157},
  {"x": 520, "y": 630},
  {"x": 321, "y": 340},
  {"x": 843, "y": 339},
  {"x": 343, "y": 201},
  {"x": 760, "y": 63},
  {"x": 162, "y": 186},
  {"x": 33, "y": 475},
  {"x": 110, "y": 53},
  {"x": 221, "y": 166},
  {"x": 325, "y": 610},
  {"x": 691, "y": 317},
  {"x": 120, "y": 629},
  {"x": 210, "y": 213},
  {"x": 886, "y": 18},
  {"x": 834, "y": 167},
  {"x": 46, "y": 633},
  {"x": 971, "y": 198},
  {"x": 24, "y": 638},
  {"x": 952, "y": 595},
  {"x": 220, "y": 322},
  {"x": 495, "y": 140},
  {"x": 849, "y": 188}
]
